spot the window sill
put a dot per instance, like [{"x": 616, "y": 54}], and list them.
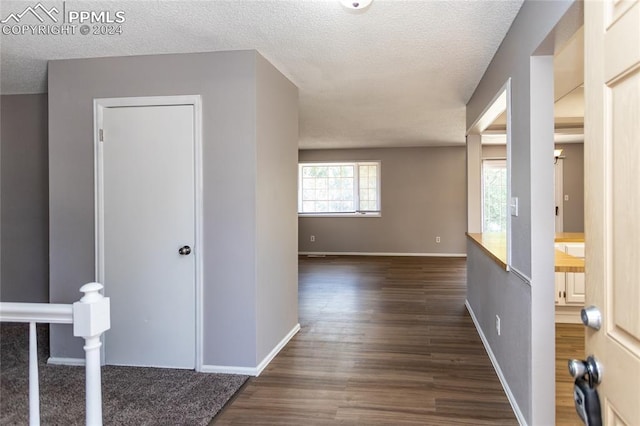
[{"x": 339, "y": 215}]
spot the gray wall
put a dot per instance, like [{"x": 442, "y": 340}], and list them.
[
  {"x": 573, "y": 180},
  {"x": 25, "y": 204},
  {"x": 493, "y": 291},
  {"x": 227, "y": 83},
  {"x": 532, "y": 33},
  {"x": 573, "y": 186},
  {"x": 494, "y": 151},
  {"x": 276, "y": 195},
  {"x": 423, "y": 195}
]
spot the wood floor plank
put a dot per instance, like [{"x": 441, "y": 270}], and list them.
[
  {"x": 569, "y": 344},
  {"x": 384, "y": 340}
]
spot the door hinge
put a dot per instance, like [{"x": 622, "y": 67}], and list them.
[{"x": 101, "y": 135}]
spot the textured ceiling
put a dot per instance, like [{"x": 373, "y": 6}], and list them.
[{"x": 397, "y": 74}]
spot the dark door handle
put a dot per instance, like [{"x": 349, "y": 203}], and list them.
[{"x": 184, "y": 251}]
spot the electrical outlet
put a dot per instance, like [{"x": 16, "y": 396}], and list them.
[
  {"x": 498, "y": 324},
  {"x": 312, "y": 238},
  {"x": 438, "y": 240}
]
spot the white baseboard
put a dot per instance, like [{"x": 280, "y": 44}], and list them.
[
  {"x": 65, "y": 361},
  {"x": 252, "y": 371},
  {"x": 226, "y": 369},
  {"x": 277, "y": 349},
  {"x": 357, "y": 253},
  {"x": 496, "y": 367}
]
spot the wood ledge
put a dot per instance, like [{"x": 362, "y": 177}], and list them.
[{"x": 495, "y": 246}]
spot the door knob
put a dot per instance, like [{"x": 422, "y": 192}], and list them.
[
  {"x": 184, "y": 251},
  {"x": 591, "y": 367},
  {"x": 577, "y": 368},
  {"x": 591, "y": 317}
]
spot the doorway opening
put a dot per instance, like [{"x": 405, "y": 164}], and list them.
[{"x": 148, "y": 222}]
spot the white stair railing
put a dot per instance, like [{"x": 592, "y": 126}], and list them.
[{"x": 90, "y": 318}]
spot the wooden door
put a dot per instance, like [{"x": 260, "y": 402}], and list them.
[{"x": 612, "y": 207}]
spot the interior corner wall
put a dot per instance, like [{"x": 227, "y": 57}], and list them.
[
  {"x": 226, "y": 83},
  {"x": 24, "y": 219},
  {"x": 423, "y": 194},
  {"x": 534, "y": 25},
  {"x": 276, "y": 207}
]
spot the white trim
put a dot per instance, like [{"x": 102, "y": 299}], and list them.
[
  {"x": 66, "y": 361},
  {"x": 277, "y": 349},
  {"x": 356, "y": 188},
  {"x": 509, "y": 174},
  {"x": 356, "y": 253},
  {"x": 353, "y": 214},
  {"x": 52, "y": 313},
  {"x": 500, "y": 102},
  {"x": 525, "y": 279},
  {"x": 496, "y": 367},
  {"x": 252, "y": 371},
  {"x": 225, "y": 369},
  {"x": 491, "y": 111},
  {"x": 196, "y": 101}
]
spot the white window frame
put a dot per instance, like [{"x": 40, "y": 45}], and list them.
[{"x": 356, "y": 189}]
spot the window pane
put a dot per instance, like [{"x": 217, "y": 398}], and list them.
[
  {"x": 368, "y": 191},
  {"x": 331, "y": 188},
  {"x": 494, "y": 193}
]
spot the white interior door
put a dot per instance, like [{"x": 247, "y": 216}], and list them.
[
  {"x": 148, "y": 214},
  {"x": 612, "y": 208}
]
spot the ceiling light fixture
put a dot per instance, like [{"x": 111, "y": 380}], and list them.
[{"x": 356, "y": 4}]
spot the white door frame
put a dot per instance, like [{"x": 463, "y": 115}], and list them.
[{"x": 98, "y": 109}]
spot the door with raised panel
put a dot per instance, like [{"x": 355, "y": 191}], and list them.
[{"x": 612, "y": 202}]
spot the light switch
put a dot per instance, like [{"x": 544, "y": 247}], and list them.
[
  {"x": 566, "y": 197},
  {"x": 514, "y": 206}
]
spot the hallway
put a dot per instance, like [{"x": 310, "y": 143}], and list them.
[{"x": 384, "y": 340}]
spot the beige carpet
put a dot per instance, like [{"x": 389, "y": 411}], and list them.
[{"x": 131, "y": 395}]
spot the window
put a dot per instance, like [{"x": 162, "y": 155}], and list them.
[
  {"x": 494, "y": 196},
  {"x": 339, "y": 188}
]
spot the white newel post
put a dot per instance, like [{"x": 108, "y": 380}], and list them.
[{"x": 91, "y": 319}]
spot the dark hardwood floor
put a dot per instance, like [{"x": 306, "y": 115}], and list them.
[
  {"x": 569, "y": 344},
  {"x": 383, "y": 341}
]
